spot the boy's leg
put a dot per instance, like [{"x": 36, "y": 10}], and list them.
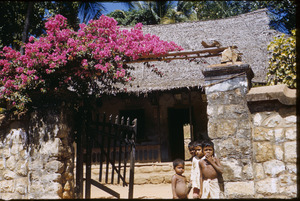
[{"x": 196, "y": 192}]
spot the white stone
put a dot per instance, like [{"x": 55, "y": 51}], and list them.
[
  {"x": 290, "y": 152},
  {"x": 210, "y": 110},
  {"x": 273, "y": 167},
  {"x": 279, "y": 135},
  {"x": 290, "y": 119},
  {"x": 9, "y": 175},
  {"x": 267, "y": 186},
  {"x": 292, "y": 168},
  {"x": 259, "y": 171},
  {"x": 239, "y": 188},
  {"x": 278, "y": 152},
  {"x": 257, "y": 119},
  {"x": 231, "y": 169},
  {"x": 291, "y": 133},
  {"x": 272, "y": 121},
  {"x": 287, "y": 179}
]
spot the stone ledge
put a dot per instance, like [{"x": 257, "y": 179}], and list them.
[{"x": 277, "y": 92}]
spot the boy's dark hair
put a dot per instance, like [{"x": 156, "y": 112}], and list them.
[
  {"x": 198, "y": 143},
  {"x": 177, "y": 162},
  {"x": 191, "y": 144},
  {"x": 208, "y": 143}
]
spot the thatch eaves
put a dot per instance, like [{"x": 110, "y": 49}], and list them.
[{"x": 250, "y": 32}]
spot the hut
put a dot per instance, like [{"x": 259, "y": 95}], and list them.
[{"x": 171, "y": 109}]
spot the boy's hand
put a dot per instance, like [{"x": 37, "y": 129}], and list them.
[{"x": 209, "y": 158}]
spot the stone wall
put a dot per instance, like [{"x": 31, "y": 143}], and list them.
[
  {"x": 274, "y": 138},
  {"x": 36, "y": 157},
  {"x": 254, "y": 133}
]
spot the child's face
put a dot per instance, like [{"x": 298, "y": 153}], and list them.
[
  {"x": 192, "y": 151},
  {"x": 198, "y": 151},
  {"x": 179, "y": 169},
  {"x": 208, "y": 151}
]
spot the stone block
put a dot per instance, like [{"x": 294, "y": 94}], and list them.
[
  {"x": 273, "y": 168},
  {"x": 8, "y": 186},
  {"x": 290, "y": 120},
  {"x": 259, "y": 171},
  {"x": 267, "y": 186},
  {"x": 272, "y": 121},
  {"x": 262, "y": 134},
  {"x": 278, "y": 151},
  {"x": 232, "y": 169},
  {"x": 291, "y": 133},
  {"x": 22, "y": 168},
  {"x": 53, "y": 189},
  {"x": 2, "y": 164},
  {"x": 289, "y": 191},
  {"x": 290, "y": 152},
  {"x": 257, "y": 119},
  {"x": 226, "y": 128},
  {"x": 67, "y": 186},
  {"x": 9, "y": 175},
  {"x": 239, "y": 189},
  {"x": 212, "y": 129},
  {"x": 225, "y": 147},
  {"x": 167, "y": 168},
  {"x": 263, "y": 151},
  {"x": 50, "y": 177},
  {"x": 291, "y": 167},
  {"x": 210, "y": 110},
  {"x": 145, "y": 169},
  {"x": 156, "y": 179},
  {"x": 248, "y": 171},
  {"x": 279, "y": 135},
  {"x": 11, "y": 163},
  {"x": 141, "y": 179},
  {"x": 66, "y": 195},
  {"x": 51, "y": 148},
  {"x": 55, "y": 167},
  {"x": 287, "y": 179},
  {"x": 22, "y": 185}
]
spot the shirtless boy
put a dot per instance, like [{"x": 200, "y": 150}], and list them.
[
  {"x": 210, "y": 168},
  {"x": 179, "y": 187}
]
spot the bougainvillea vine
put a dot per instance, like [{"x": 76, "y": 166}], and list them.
[{"x": 89, "y": 60}]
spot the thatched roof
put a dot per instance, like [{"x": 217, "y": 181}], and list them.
[{"x": 249, "y": 32}]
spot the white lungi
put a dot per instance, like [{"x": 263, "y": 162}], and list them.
[{"x": 211, "y": 189}]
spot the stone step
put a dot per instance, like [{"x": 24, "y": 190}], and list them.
[{"x": 144, "y": 173}]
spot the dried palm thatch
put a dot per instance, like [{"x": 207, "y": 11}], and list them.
[{"x": 249, "y": 32}]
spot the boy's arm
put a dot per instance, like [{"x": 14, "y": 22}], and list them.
[
  {"x": 174, "y": 187},
  {"x": 201, "y": 180},
  {"x": 215, "y": 162}
]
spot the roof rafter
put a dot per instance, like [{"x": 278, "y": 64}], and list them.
[{"x": 189, "y": 54}]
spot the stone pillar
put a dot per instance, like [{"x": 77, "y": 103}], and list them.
[
  {"x": 37, "y": 157},
  {"x": 229, "y": 125}
]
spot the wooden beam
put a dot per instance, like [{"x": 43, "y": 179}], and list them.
[{"x": 208, "y": 52}]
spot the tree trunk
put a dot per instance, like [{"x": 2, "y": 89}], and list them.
[{"x": 26, "y": 25}]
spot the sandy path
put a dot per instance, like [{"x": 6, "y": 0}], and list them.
[{"x": 146, "y": 191}]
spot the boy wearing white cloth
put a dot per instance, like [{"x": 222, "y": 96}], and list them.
[
  {"x": 195, "y": 171},
  {"x": 210, "y": 168}
]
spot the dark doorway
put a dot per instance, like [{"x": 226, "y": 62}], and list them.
[{"x": 176, "y": 119}]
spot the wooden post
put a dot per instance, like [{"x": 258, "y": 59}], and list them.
[
  {"x": 88, "y": 161},
  {"x": 132, "y": 160}
]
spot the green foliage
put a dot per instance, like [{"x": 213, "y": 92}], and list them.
[
  {"x": 282, "y": 64},
  {"x": 130, "y": 18}
]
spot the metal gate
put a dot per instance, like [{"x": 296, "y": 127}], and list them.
[{"x": 109, "y": 144}]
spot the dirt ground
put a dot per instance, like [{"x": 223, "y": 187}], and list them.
[{"x": 145, "y": 191}]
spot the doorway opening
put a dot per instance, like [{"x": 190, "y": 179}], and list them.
[{"x": 178, "y": 118}]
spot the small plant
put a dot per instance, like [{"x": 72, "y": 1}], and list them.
[{"x": 282, "y": 64}]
